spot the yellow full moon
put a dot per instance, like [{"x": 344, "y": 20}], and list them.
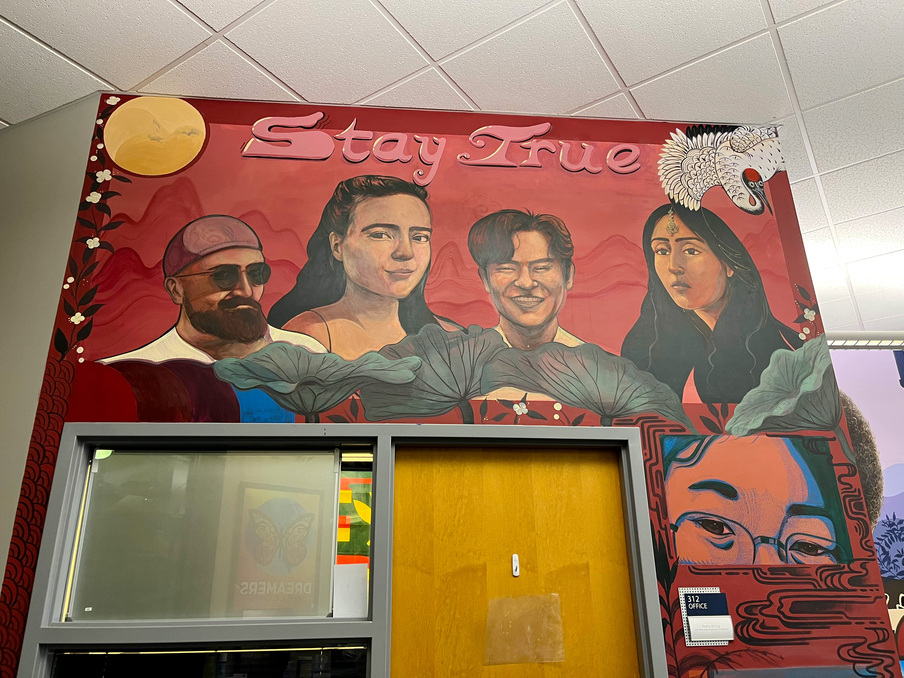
[{"x": 152, "y": 136}]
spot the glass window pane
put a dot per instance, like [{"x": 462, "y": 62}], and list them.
[
  {"x": 205, "y": 535},
  {"x": 346, "y": 661}
]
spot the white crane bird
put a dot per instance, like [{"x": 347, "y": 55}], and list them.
[{"x": 739, "y": 159}]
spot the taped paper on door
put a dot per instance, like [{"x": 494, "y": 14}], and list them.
[{"x": 525, "y": 630}]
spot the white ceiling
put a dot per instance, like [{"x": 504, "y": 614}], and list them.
[{"x": 831, "y": 72}]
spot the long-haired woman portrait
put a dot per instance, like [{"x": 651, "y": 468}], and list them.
[
  {"x": 705, "y": 310},
  {"x": 362, "y": 287}
]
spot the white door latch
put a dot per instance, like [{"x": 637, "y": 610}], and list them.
[{"x": 516, "y": 566}]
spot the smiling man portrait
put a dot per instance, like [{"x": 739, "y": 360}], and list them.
[
  {"x": 526, "y": 266},
  {"x": 214, "y": 270}
]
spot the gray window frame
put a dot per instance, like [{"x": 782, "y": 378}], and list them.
[{"x": 44, "y": 631}]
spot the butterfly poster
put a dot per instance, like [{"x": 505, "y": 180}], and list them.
[{"x": 279, "y": 549}]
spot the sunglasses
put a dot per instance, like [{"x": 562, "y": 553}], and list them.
[{"x": 226, "y": 276}]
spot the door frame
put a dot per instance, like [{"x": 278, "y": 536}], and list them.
[{"x": 44, "y": 631}]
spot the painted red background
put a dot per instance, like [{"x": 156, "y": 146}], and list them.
[{"x": 282, "y": 200}]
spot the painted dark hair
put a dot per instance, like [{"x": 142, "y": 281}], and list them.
[
  {"x": 322, "y": 279},
  {"x": 866, "y": 454},
  {"x": 814, "y": 453},
  {"x": 490, "y": 240},
  {"x": 669, "y": 341}
]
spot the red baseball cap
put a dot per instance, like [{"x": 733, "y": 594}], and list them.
[{"x": 205, "y": 236}]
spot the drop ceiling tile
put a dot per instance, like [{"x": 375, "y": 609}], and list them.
[
  {"x": 894, "y": 323},
  {"x": 838, "y": 313},
  {"x": 740, "y": 84},
  {"x": 647, "y": 37},
  {"x": 876, "y": 274},
  {"x": 807, "y": 203},
  {"x": 880, "y": 304},
  {"x": 871, "y": 236},
  {"x": 546, "y": 64},
  {"x": 878, "y": 287},
  {"x": 443, "y": 27},
  {"x": 797, "y": 163},
  {"x": 336, "y": 52},
  {"x": 857, "y": 128},
  {"x": 844, "y": 49},
  {"x": 613, "y": 107},
  {"x": 782, "y": 10},
  {"x": 219, "y": 13},
  {"x": 852, "y": 327},
  {"x": 219, "y": 71},
  {"x": 868, "y": 188},
  {"x": 425, "y": 90},
  {"x": 820, "y": 248},
  {"x": 122, "y": 42},
  {"x": 830, "y": 283},
  {"x": 34, "y": 79}
]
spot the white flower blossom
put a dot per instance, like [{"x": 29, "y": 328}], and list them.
[
  {"x": 93, "y": 158},
  {"x": 93, "y": 243},
  {"x": 66, "y": 286},
  {"x": 556, "y": 417},
  {"x": 70, "y": 279},
  {"x": 104, "y": 175},
  {"x": 93, "y": 196},
  {"x": 806, "y": 330},
  {"x": 802, "y": 335},
  {"x": 77, "y": 318},
  {"x": 809, "y": 314},
  {"x": 81, "y": 360},
  {"x": 100, "y": 146},
  {"x": 520, "y": 408},
  {"x": 112, "y": 100},
  {"x": 557, "y": 407},
  {"x": 100, "y": 121},
  {"x": 80, "y": 349}
]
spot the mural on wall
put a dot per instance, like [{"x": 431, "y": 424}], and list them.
[
  {"x": 248, "y": 262},
  {"x": 872, "y": 381}
]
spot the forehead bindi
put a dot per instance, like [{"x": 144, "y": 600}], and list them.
[{"x": 665, "y": 231}]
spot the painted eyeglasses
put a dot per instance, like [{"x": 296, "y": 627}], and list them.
[{"x": 711, "y": 539}]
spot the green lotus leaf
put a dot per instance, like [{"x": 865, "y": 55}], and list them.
[
  {"x": 309, "y": 383},
  {"x": 585, "y": 376},
  {"x": 797, "y": 392},
  {"x": 449, "y": 377}
]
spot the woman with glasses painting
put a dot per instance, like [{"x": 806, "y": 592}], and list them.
[
  {"x": 788, "y": 511},
  {"x": 214, "y": 270}
]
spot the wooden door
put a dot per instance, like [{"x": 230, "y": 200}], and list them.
[{"x": 460, "y": 514}]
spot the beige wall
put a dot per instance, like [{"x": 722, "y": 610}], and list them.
[{"x": 42, "y": 164}]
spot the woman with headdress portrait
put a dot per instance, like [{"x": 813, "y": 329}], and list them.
[
  {"x": 362, "y": 287},
  {"x": 705, "y": 312}
]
